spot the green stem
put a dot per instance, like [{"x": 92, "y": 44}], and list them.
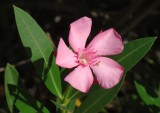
[
  {"x": 66, "y": 99},
  {"x": 74, "y": 95}
]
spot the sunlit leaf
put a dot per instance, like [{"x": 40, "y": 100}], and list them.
[
  {"x": 134, "y": 51},
  {"x": 39, "y": 49}
]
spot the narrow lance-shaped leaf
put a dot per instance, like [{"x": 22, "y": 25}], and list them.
[
  {"x": 18, "y": 99},
  {"x": 11, "y": 77},
  {"x": 40, "y": 50},
  {"x": 147, "y": 99},
  {"x": 133, "y": 52}
]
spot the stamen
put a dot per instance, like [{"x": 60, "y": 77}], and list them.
[
  {"x": 87, "y": 56},
  {"x": 97, "y": 64},
  {"x": 83, "y": 61}
]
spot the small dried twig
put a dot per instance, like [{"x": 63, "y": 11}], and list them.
[
  {"x": 50, "y": 39},
  {"x": 2, "y": 69}
]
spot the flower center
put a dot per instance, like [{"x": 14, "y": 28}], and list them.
[
  {"x": 83, "y": 60},
  {"x": 87, "y": 56}
]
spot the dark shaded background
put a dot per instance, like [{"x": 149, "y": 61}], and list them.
[{"x": 131, "y": 18}]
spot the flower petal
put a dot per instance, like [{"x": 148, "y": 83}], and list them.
[
  {"x": 108, "y": 72},
  {"x": 80, "y": 78},
  {"x": 108, "y": 42},
  {"x": 79, "y": 32},
  {"x": 65, "y": 57}
]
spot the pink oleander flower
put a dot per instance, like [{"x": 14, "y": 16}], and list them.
[{"x": 106, "y": 71}]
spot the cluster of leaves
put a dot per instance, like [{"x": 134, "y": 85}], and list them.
[{"x": 40, "y": 50}]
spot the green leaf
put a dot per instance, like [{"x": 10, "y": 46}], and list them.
[
  {"x": 71, "y": 105},
  {"x": 10, "y": 80},
  {"x": 133, "y": 52},
  {"x": 147, "y": 99},
  {"x": 18, "y": 99},
  {"x": 40, "y": 50}
]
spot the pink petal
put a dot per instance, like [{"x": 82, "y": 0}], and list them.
[
  {"x": 108, "y": 72},
  {"x": 65, "y": 57},
  {"x": 79, "y": 32},
  {"x": 108, "y": 42},
  {"x": 80, "y": 78}
]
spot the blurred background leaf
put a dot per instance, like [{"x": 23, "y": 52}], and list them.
[{"x": 147, "y": 99}]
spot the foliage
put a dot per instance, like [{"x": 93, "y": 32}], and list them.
[{"x": 40, "y": 51}]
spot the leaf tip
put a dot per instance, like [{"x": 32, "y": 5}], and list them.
[
  {"x": 14, "y": 7},
  {"x": 8, "y": 65}
]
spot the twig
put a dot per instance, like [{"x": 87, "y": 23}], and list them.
[
  {"x": 50, "y": 39},
  {"x": 2, "y": 69}
]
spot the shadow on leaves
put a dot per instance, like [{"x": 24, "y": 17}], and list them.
[{"x": 22, "y": 98}]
